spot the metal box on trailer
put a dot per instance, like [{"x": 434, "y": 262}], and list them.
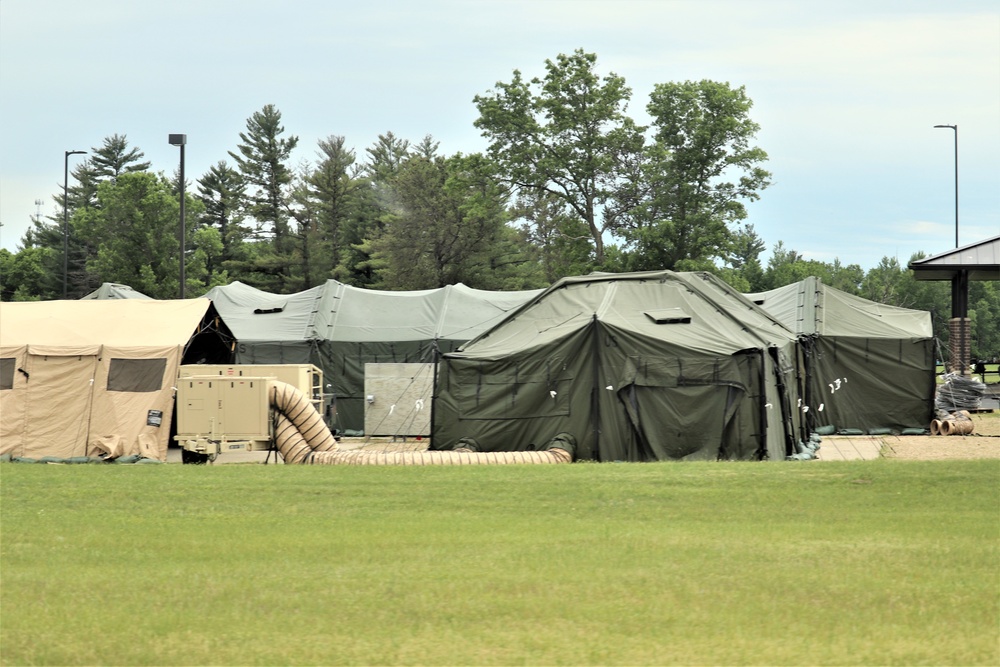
[
  {"x": 307, "y": 378},
  {"x": 217, "y": 414},
  {"x": 226, "y": 408}
]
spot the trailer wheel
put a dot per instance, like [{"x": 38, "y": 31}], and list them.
[{"x": 188, "y": 456}]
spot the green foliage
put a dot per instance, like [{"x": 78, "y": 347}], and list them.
[
  {"x": 559, "y": 240},
  {"x": 29, "y": 275},
  {"x": 203, "y": 270},
  {"x": 115, "y": 158},
  {"x": 786, "y": 266},
  {"x": 386, "y": 156},
  {"x": 695, "y": 176},
  {"x": 221, "y": 191},
  {"x": 262, "y": 157},
  {"x": 614, "y": 564},
  {"x": 134, "y": 231},
  {"x": 448, "y": 220},
  {"x": 103, "y": 163},
  {"x": 327, "y": 197},
  {"x": 984, "y": 310},
  {"x": 106, "y": 162},
  {"x": 569, "y": 185},
  {"x": 375, "y": 205},
  {"x": 564, "y": 135}
]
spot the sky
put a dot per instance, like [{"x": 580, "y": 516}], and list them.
[{"x": 846, "y": 93}]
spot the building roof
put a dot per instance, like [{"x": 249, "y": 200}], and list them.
[{"x": 981, "y": 260}]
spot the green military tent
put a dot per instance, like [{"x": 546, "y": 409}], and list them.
[
  {"x": 114, "y": 291},
  {"x": 870, "y": 366},
  {"x": 635, "y": 367},
  {"x": 340, "y": 328}
]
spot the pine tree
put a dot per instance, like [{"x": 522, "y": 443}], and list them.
[
  {"x": 262, "y": 157},
  {"x": 221, "y": 190},
  {"x": 262, "y": 160}
]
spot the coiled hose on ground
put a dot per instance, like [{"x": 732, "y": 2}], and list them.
[
  {"x": 301, "y": 436},
  {"x": 299, "y": 429},
  {"x": 437, "y": 458}
]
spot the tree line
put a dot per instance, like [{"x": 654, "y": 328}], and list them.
[{"x": 568, "y": 184}]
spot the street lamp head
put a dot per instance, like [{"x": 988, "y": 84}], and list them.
[
  {"x": 950, "y": 127},
  {"x": 177, "y": 139},
  {"x": 68, "y": 153}
]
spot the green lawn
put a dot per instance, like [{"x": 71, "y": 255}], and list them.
[{"x": 813, "y": 563}]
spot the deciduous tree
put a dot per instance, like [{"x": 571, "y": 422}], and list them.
[
  {"x": 133, "y": 230},
  {"x": 564, "y": 134},
  {"x": 695, "y": 176}
]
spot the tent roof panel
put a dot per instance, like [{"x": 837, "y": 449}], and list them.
[
  {"x": 716, "y": 321},
  {"x": 115, "y": 291},
  {"x": 338, "y": 312},
  {"x": 810, "y": 307},
  {"x": 114, "y": 322}
]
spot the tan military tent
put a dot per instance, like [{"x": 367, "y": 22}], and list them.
[{"x": 93, "y": 378}]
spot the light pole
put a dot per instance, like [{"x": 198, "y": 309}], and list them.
[
  {"x": 959, "y": 324},
  {"x": 181, "y": 140},
  {"x": 66, "y": 219},
  {"x": 955, "y": 127}
]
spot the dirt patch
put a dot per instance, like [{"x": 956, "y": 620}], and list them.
[
  {"x": 941, "y": 447},
  {"x": 385, "y": 444},
  {"x": 982, "y": 443}
]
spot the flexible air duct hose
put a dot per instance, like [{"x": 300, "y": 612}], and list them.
[
  {"x": 961, "y": 427},
  {"x": 957, "y": 423},
  {"x": 428, "y": 458},
  {"x": 300, "y": 429},
  {"x": 301, "y": 436},
  {"x": 290, "y": 443}
]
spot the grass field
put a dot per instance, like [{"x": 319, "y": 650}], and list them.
[{"x": 856, "y": 563}]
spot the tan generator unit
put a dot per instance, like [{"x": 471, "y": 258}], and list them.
[
  {"x": 307, "y": 378},
  {"x": 227, "y": 408}
]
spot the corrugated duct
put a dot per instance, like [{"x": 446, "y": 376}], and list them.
[
  {"x": 301, "y": 436},
  {"x": 300, "y": 429},
  {"x": 438, "y": 458}
]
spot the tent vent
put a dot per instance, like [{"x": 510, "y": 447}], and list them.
[
  {"x": 668, "y": 316},
  {"x": 759, "y": 302},
  {"x": 265, "y": 311}
]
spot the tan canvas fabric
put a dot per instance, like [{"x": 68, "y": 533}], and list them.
[
  {"x": 57, "y": 404},
  {"x": 12, "y": 399},
  {"x": 98, "y": 375},
  {"x": 131, "y": 414}
]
